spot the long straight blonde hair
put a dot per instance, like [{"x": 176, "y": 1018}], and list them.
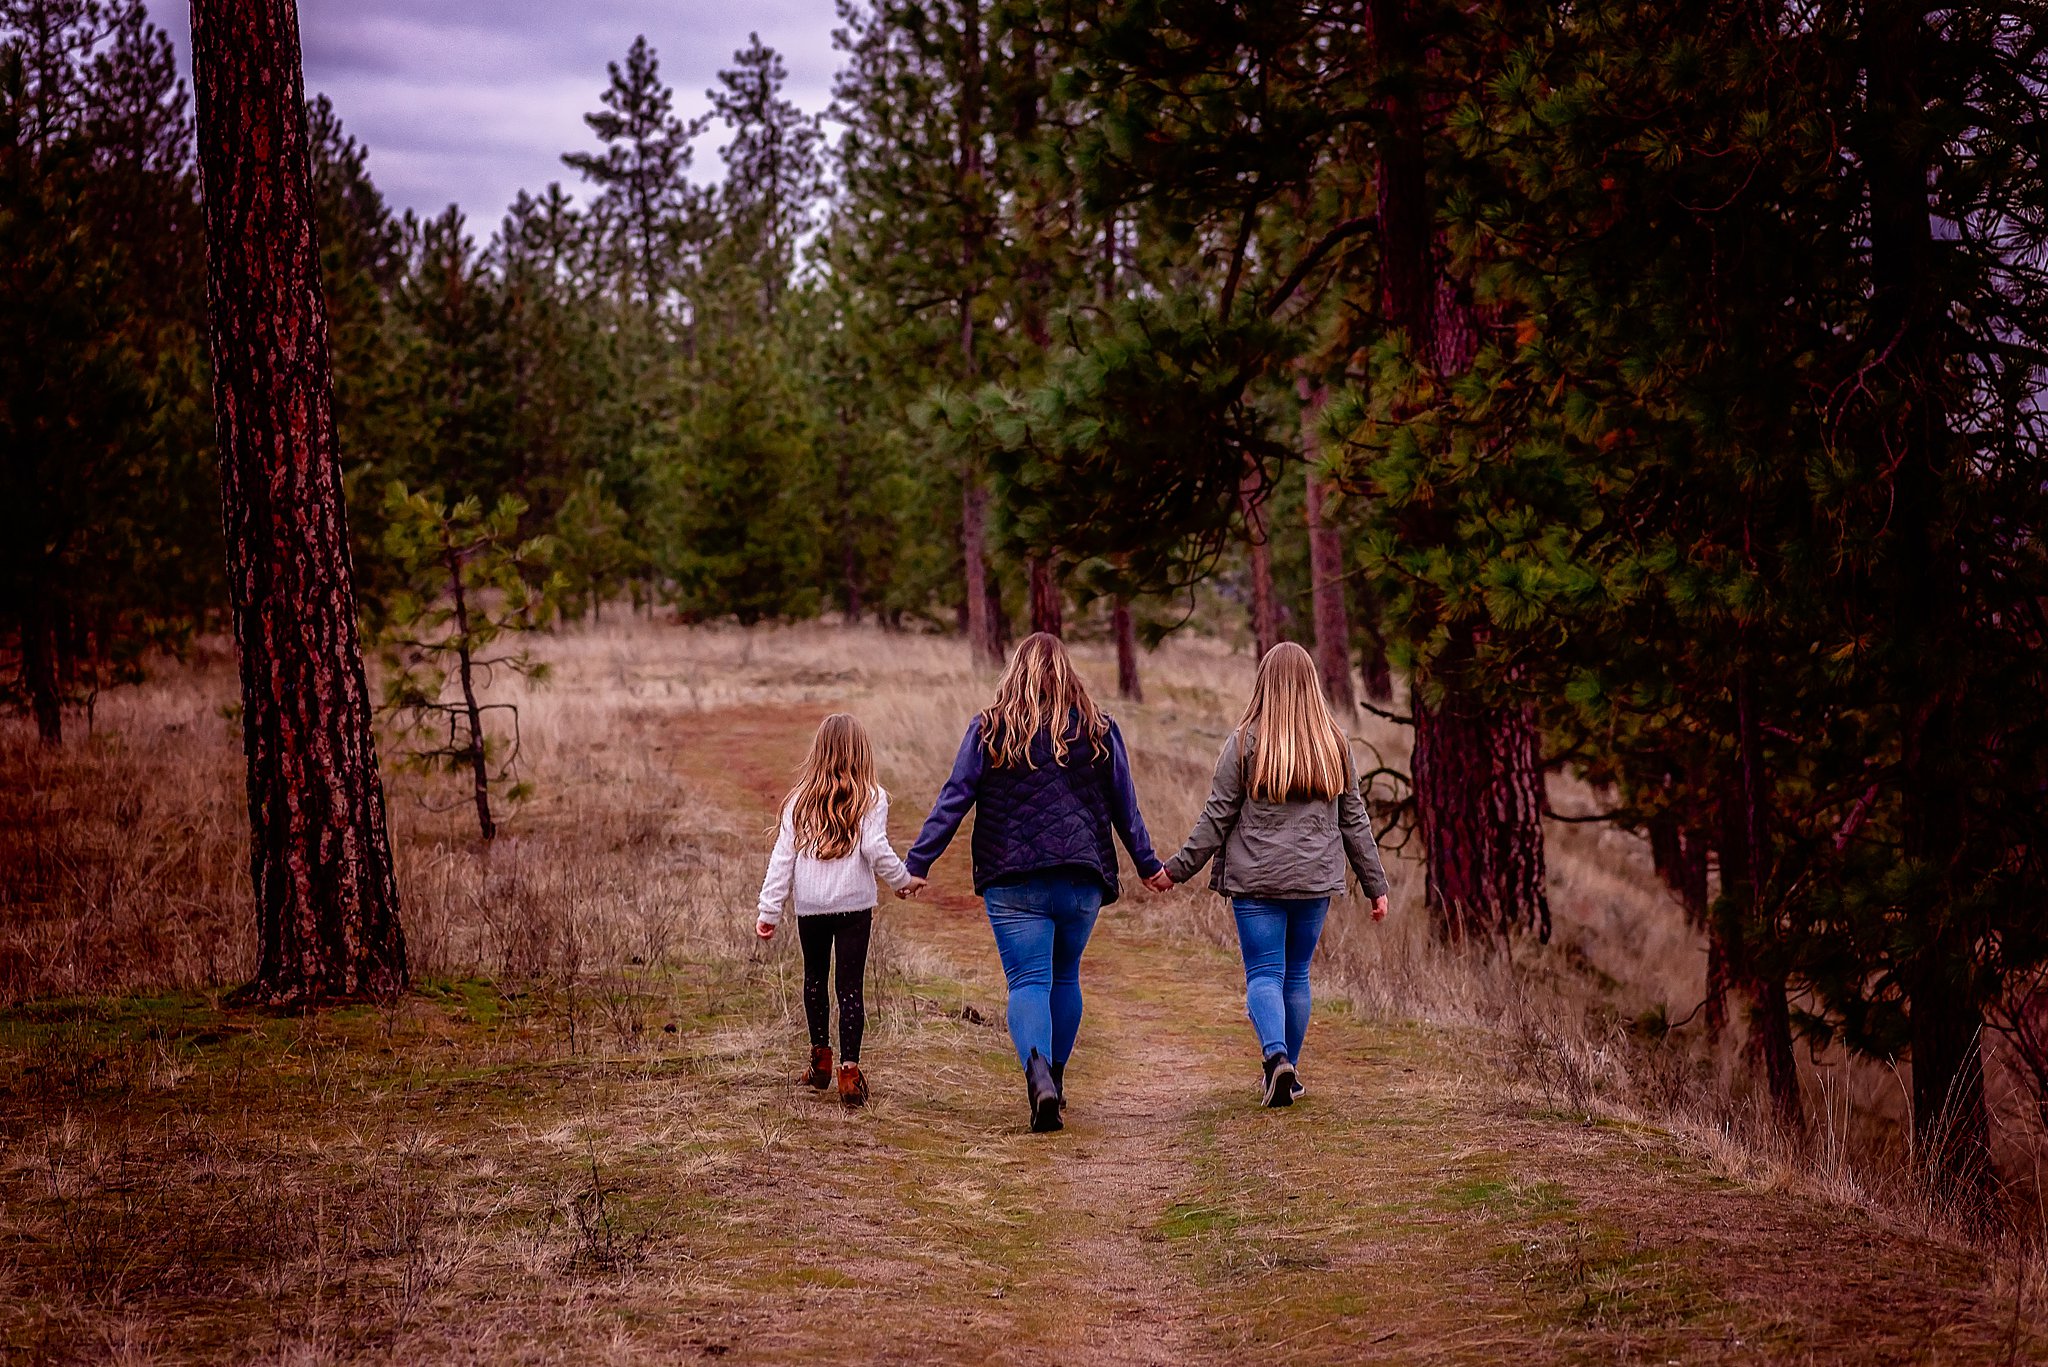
[
  {"x": 1298, "y": 752},
  {"x": 835, "y": 788},
  {"x": 1041, "y": 692}
]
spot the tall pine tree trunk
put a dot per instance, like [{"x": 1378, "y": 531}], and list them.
[
  {"x": 982, "y": 636},
  {"x": 1451, "y": 769},
  {"x": 1126, "y": 633},
  {"x": 1477, "y": 767},
  {"x": 1897, "y": 143},
  {"x": 1047, "y": 612},
  {"x": 1749, "y": 924},
  {"x": 1325, "y": 565},
  {"x": 998, "y": 619},
  {"x": 319, "y": 852},
  {"x": 981, "y": 622}
]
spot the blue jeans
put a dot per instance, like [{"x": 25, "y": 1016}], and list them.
[
  {"x": 1278, "y": 937},
  {"x": 1042, "y": 924}
]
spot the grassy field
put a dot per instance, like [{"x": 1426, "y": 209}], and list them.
[{"x": 579, "y": 1139}]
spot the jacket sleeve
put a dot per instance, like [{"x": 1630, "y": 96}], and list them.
[
  {"x": 951, "y": 807},
  {"x": 875, "y": 846},
  {"x": 1123, "y": 807},
  {"x": 1219, "y": 815},
  {"x": 781, "y": 872},
  {"x": 1355, "y": 820}
]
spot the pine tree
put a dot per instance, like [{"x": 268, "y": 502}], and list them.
[
  {"x": 108, "y": 536},
  {"x": 470, "y": 583},
  {"x": 643, "y": 192},
  {"x": 917, "y": 228},
  {"x": 1762, "y": 540},
  {"x": 774, "y": 166},
  {"x": 320, "y": 855}
]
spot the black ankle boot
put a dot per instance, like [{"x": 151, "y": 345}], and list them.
[
  {"x": 1044, "y": 1094},
  {"x": 1059, "y": 1083}
]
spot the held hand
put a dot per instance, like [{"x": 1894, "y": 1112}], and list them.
[
  {"x": 765, "y": 929},
  {"x": 915, "y": 886},
  {"x": 1379, "y": 907},
  {"x": 1162, "y": 881}
]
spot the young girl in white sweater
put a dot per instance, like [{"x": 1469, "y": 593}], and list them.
[{"x": 830, "y": 846}]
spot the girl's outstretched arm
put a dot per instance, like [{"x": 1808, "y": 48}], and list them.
[
  {"x": 951, "y": 808},
  {"x": 781, "y": 873},
  {"x": 1219, "y": 815},
  {"x": 876, "y": 849}
]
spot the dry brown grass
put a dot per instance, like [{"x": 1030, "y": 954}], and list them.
[
  {"x": 126, "y": 863},
  {"x": 572, "y": 1120}
]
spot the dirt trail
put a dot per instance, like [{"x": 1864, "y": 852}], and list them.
[
  {"x": 1410, "y": 1210},
  {"x": 1135, "y": 1086}
]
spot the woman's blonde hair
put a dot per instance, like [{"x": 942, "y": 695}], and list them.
[
  {"x": 1297, "y": 751},
  {"x": 835, "y": 789},
  {"x": 1040, "y": 692}
]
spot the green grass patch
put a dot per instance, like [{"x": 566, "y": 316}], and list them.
[
  {"x": 1184, "y": 1220},
  {"x": 1506, "y": 1197}
]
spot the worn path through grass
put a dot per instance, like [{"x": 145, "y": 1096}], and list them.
[
  {"x": 608, "y": 1159},
  {"x": 1414, "y": 1208}
]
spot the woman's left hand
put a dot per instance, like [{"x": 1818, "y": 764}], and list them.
[
  {"x": 1379, "y": 907},
  {"x": 1162, "y": 881}
]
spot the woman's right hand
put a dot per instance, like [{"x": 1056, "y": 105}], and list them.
[
  {"x": 1161, "y": 881},
  {"x": 911, "y": 889},
  {"x": 1379, "y": 907}
]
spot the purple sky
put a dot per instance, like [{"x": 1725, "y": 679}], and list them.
[{"x": 474, "y": 100}]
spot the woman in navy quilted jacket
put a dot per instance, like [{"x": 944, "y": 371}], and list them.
[{"x": 1050, "y": 777}]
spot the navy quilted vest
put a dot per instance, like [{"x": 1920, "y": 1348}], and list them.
[{"x": 1051, "y": 817}]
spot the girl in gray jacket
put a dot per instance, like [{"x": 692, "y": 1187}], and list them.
[{"x": 1284, "y": 817}]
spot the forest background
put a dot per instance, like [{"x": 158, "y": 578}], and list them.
[{"x": 1644, "y": 392}]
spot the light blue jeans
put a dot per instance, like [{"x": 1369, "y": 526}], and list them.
[
  {"x": 1277, "y": 936},
  {"x": 1042, "y": 924}
]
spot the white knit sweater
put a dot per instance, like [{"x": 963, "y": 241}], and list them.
[{"x": 819, "y": 887}]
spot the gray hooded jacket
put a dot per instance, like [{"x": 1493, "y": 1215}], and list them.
[{"x": 1280, "y": 849}]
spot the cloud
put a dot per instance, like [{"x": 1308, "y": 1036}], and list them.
[{"x": 471, "y": 101}]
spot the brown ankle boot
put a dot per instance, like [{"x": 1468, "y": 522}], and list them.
[
  {"x": 853, "y": 1088},
  {"x": 819, "y": 1074}
]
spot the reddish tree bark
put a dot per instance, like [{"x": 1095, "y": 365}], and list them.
[
  {"x": 1478, "y": 768},
  {"x": 1482, "y": 780},
  {"x": 1325, "y": 565},
  {"x": 979, "y": 590},
  {"x": 1126, "y": 632},
  {"x": 319, "y": 853},
  {"x": 1048, "y": 613}
]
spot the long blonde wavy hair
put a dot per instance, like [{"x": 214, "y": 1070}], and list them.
[
  {"x": 1041, "y": 692},
  {"x": 835, "y": 788},
  {"x": 1298, "y": 753}
]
